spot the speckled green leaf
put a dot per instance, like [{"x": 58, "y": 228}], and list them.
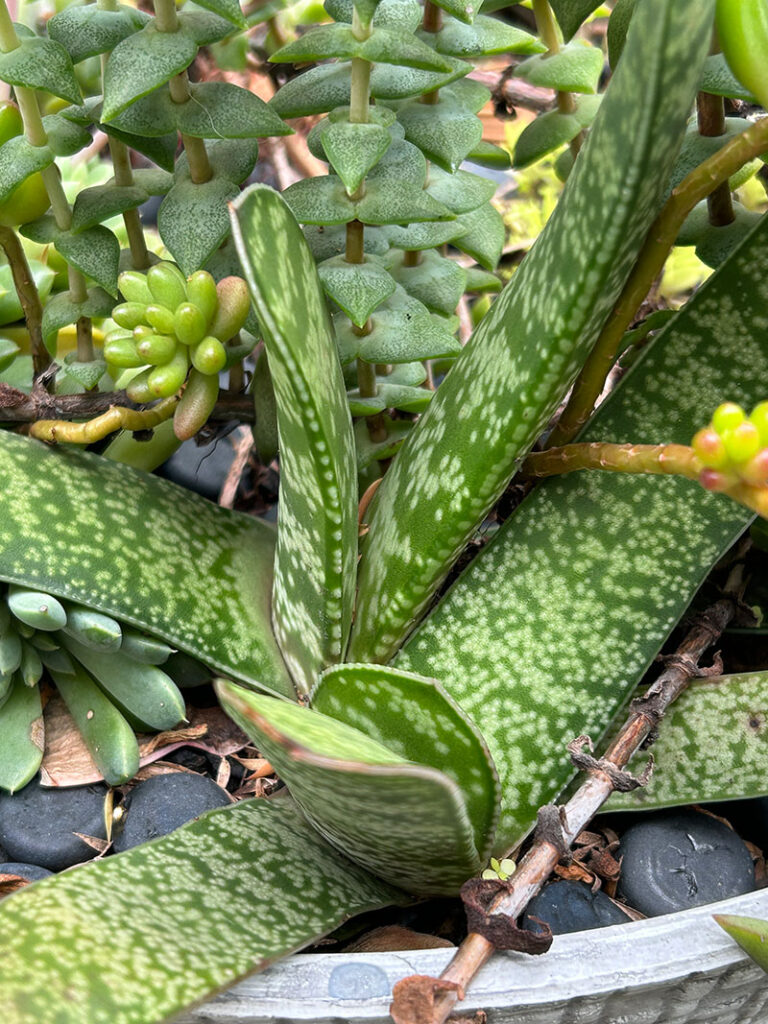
[
  {"x": 711, "y": 746},
  {"x": 556, "y": 621},
  {"x": 437, "y": 281},
  {"x": 21, "y": 736},
  {"x": 19, "y": 158},
  {"x": 215, "y": 110},
  {"x": 357, "y": 288},
  {"x": 553, "y": 129},
  {"x": 571, "y": 13},
  {"x": 444, "y": 131},
  {"x": 481, "y": 281},
  {"x": 462, "y": 191},
  {"x": 85, "y": 30},
  {"x": 402, "y": 330},
  {"x": 325, "y": 201},
  {"x": 483, "y": 37},
  {"x": 402, "y": 164},
  {"x": 536, "y": 335},
  {"x": 60, "y": 311},
  {"x": 70, "y": 955},
  {"x": 404, "y": 821},
  {"x": 717, "y": 78},
  {"x": 389, "y": 396},
  {"x": 142, "y": 550},
  {"x": 41, "y": 64},
  {"x": 716, "y": 243},
  {"x": 353, "y": 149},
  {"x": 325, "y": 87},
  {"x": 751, "y": 934},
  {"x": 415, "y": 718},
  {"x": 696, "y": 148},
  {"x": 99, "y": 203},
  {"x": 486, "y": 154},
  {"x": 384, "y": 45},
  {"x": 227, "y": 9},
  {"x": 425, "y": 235},
  {"x": 204, "y": 27},
  {"x": 464, "y": 10},
  {"x": 94, "y": 251},
  {"x": 575, "y": 68},
  {"x": 482, "y": 235},
  {"x": 621, "y": 15},
  {"x": 317, "y": 540},
  {"x": 405, "y": 14},
  {"x": 193, "y": 220},
  {"x": 141, "y": 63},
  {"x": 369, "y": 451}
]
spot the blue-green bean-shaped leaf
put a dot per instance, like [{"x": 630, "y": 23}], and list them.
[
  {"x": 711, "y": 746},
  {"x": 406, "y": 822},
  {"x": 317, "y": 540},
  {"x": 415, "y": 717},
  {"x": 142, "y": 550},
  {"x": 549, "y": 630},
  {"x": 89, "y": 945},
  {"x": 527, "y": 350}
]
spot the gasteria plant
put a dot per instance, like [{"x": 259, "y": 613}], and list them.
[{"x": 419, "y": 726}]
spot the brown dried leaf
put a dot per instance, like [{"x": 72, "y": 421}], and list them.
[
  {"x": 223, "y": 773},
  {"x": 95, "y": 843},
  {"x": 11, "y": 883},
  {"x": 394, "y": 936}
]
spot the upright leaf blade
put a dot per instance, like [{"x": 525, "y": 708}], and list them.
[
  {"x": 521, "y": 360},
  {"x": 143, "y": 550},
  {"x": 406, "y": 822},
  {"x": 416, "y": 719},
  {"x": 711, "y": 746},
  {"x": 751, "y": 934},
  {"x": 137, "y": 938},
  {"x": 317, "y": 540},
  {"x": 547, "y": 632}
]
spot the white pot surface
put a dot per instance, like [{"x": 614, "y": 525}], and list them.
[{"x": 666, "y": 970}]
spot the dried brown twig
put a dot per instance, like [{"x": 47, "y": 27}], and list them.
[{"x": 425, "y": 1000}]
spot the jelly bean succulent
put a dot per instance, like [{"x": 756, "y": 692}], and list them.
[{"x": 416, "y": 701}]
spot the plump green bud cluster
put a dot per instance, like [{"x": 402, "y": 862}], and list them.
[
  {"x": 169, "y": 323},
  {"x": 107, "y": 673},
  {"x": 734, "y": 447}
]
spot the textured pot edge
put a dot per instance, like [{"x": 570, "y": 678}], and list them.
[{"x": 658, "y": 951}]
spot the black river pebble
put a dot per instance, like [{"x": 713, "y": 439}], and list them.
[
  {"x": 572, "y": 907},
  {"x": 38, "y": 824},
  {"x": 31, "y": 872},
  {"x": 682, "y": 859},
  {"x": 163, "y": 803}
]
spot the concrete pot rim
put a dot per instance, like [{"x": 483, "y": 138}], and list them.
[{"x": 355, "y": 987}]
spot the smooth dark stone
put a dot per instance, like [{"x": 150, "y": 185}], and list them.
[
  {"x": 31, "y": 872},
  {"x": 163, "y": 803},
  {"x": 684, "y": 859},
  {"x": 572, "y": 907},
  {"x": 38, "y": 824}
]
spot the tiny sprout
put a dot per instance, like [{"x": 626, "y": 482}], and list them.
[{"x": 501, "y": 870}]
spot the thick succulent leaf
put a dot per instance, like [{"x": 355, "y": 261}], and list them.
[
  {"x": 575, "y": 68},
  {"x": 536, "y": 335},
  {"x": 90, "y": 945},
  {"x": 549, "y": 630},
  {"x": 19, "y": 158},
  {"x": 484, "y": 36},
  {"x": 416, "y": 719},
  {"x": 41, "y": 64},
  {"x": 21, "y": 736},
  {"x": 462, "y": 191},
  {"x": 571, "y": 13},
  {"x": 554, "y": 129},
  {"x": 751, "y": 934},
  {"x": 384, "y": 45},
  {"x": 711, "y": 746},
  {"x": 404, "y": 14},
  {"x": 85, "y": 30},
  {"x": 405, "y": 822},
  {"x": 445, "y": 131},
  {"x": 60, "y": 311},
  {"x": 317, "y": 541},
  {"x": 717, "y": 78},
  {"x": 142, "y": 62},
  {"x": 438, "y": 282},
  {"x": 357, "y": 288},
  {"x": 353, "y": 149},
  {"x": 482, "y": 235},
  {"x": 464, "y": 10},
  {"x": 227, "y": 9},
  {"x": 95, "y": 251},
  {"x": 142, "y": 550},
  {"x": 193, "y": 220},
  {"x": 402, "y": 331},
  {"x": 424, "y": 235},
  {"x": 215, "y": 110},
  {"x": 93, "y": 205},
  {"x": 325, "y": 201}
]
